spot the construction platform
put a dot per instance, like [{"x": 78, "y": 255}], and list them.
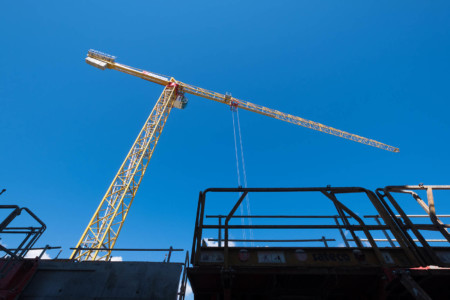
[
  {"x": 383, "y": 255},
  {"x": 305, "y": 243}
]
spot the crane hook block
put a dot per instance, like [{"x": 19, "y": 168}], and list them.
[{"x": 234, "y": 105}]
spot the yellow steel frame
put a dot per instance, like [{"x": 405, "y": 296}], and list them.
[
  {"x": 226, "y": 99},
  {"x": 104, "y": 227},
  {"x": 283, "y": 116}
]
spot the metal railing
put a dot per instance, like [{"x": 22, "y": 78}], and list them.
[
  {"x": 183, "y": 285},
  {"x": 412, "y": 230},
  {"x": 342, "y": 221},
  {"x": 31, "y": 235},
  {"x": 168, "y": 255},
  {"x": 393, "y": 228}
]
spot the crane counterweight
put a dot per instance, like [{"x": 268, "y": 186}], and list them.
[{"x": 96, "y": 63}]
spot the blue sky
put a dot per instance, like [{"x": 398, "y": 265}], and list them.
[{"x": 375, "y": 68}]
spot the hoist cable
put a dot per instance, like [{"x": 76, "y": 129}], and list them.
[
  {"x": 247, "y": 199},
  {"x": 238, "y": 173}
]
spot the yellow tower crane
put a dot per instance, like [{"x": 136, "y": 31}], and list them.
[{"x": 102, "y": 232}]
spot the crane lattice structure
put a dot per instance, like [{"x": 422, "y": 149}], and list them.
[{"x": 102, "y": 232}]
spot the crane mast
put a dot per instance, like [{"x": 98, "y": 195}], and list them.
[
  {"x": 108, "y": 219},
  {"x": 102, "y": 232}
]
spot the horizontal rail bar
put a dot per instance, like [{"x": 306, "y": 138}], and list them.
[
  {"x": 353, "y": 227},
  {"x": 276, "y": 241},
  {"x": 126, "y": 249},
  {"x": 277, "y": 217},
  {"x": 429, "y": 226},
  {"x": 394, "y": 240},
  {"x": 23, "y": 227},
  {"x": 315, "y": 216},
  {"x": 311, "y": 189},
  {"x": 22, "y": 232},
  {"x": 8, "y": 206},
  {"x": 40, "y": 248},
  {"x": 417, "y": 187},
  {"x": 410, "y": 216}
]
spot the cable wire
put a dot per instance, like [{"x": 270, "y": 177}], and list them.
[
  {"x": 238, "y": 174},
  {"x": 247, "y": 199}
]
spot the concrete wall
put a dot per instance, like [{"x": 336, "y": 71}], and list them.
[{"x": 104, "y": 280}]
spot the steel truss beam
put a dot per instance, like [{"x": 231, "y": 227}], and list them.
[{"x": 107, "y": 221}]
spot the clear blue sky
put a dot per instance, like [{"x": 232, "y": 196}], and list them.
[{"x": 375, "y": 68}]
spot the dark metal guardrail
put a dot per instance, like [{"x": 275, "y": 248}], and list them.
[
  {"x": 42, "y": 250},
  {"x": 330, "y": 194},
  {"x": 31, "y": 235},
  {"x": 166, "y": 259},
  {"x": 183, "y": 284},
  {"x": 395, "y": 232},
  {"x": 411, "y": 230},
  {"x": 323, "y": 239}
]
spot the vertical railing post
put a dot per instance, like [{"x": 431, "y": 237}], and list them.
[
  {"x": 200, "y": 226},
  {"x": 345, "y": 210},
  {"x": 342, "y": 232},
  {"x": 194, "y": 240},
  {"x": 226, "y": 226},
  {"x": 345, "y": 221},
  {"x": 377, "y": 219},
  {"x": 220, "y": 231},
  {"x": 170, "y": 254},
  {"x": 400, "y": 232}
]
